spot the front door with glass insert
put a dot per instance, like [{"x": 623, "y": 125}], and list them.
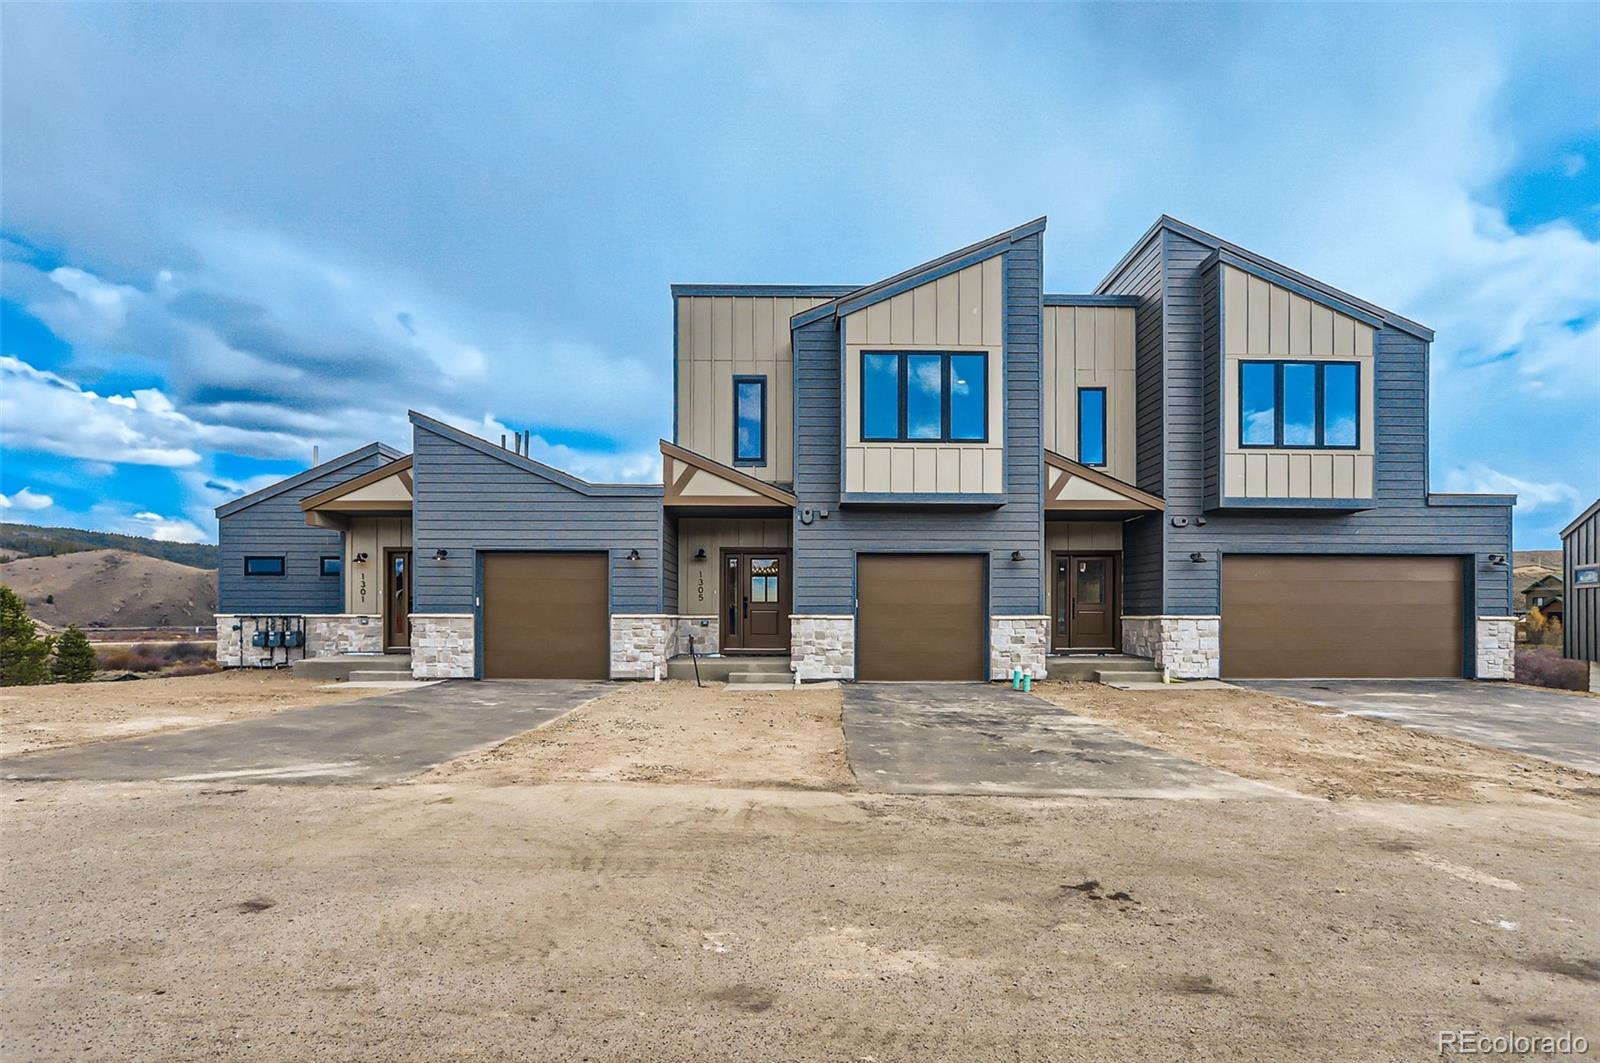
[
  {"x": 1085, "y": 599},
  {"x": 397, "y": 600},
  {"x": 755, "y": 600}
]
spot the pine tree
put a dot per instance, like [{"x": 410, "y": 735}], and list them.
[
  {"x": 75, "y": 660},
  {"x": 24, "y": 656}
]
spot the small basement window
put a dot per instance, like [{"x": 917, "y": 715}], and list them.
[
  {"x": 332, "y": 566},
  {"x": 263, "y": 566},
  {"x": 1300, "y": 405}
]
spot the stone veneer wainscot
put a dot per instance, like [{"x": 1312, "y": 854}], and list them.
[
  {"x": 1018, "y": 642},
  {"x": 822, "y": 647},
  {"x": 1181, "y": 647},
  {"x": 442, "y": 646},
  {"x": 1496, "y": 646}
]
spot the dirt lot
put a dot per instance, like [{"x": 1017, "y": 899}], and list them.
[
  {"x": 604, "y": 913},
  {"x": 65, "y": 715},
  {"x": 1318, "y": 751},
  {"x": 675, "y": 733}
]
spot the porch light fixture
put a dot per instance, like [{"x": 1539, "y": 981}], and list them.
[
  {"x": 633, "y": 555},
  {"x": 1016, "y": 555},
  {"x": 1497, "y": 559},
  {"x": 700, "y": 554},
  {"x": 1198, "y": 558},
  {"x": 361, "y": 558},
  {"x": 440, "y": 554}
]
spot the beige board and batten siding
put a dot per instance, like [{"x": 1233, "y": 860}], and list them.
[
  {"x": 363, "y": 581},
  {"x": 1076, "y": 537},
  {"x": 961, "y": 312},
  {"x": 700, "y": 582},
  {"x": 1091, "y": 347},
  {"x": 719, "y": 338},
  {"x": 1261, "y": 320}
]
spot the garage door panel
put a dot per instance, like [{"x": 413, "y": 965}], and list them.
[
  {"x": 546, "y": 616},
  {"x": 1342, "y": 617},
  {"x": 921, "y": 617}
]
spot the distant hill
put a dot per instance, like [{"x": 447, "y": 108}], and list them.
[
  {"x": 113, "y": 588},
  {"x": 1549, "y": 560},
  {"x": 28, "y": 540}
]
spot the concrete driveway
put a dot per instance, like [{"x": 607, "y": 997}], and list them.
[
  {"x": 374, "y": 740},
  {"x": 1553, "y": 724},
  {"x": 974, "y": 738}
]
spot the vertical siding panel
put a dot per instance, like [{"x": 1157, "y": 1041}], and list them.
[
  {"x": 1259, "y": 308},
  {"x": 925, "y": 314},
  {"x": 1236, "y": 311},
  {"x": 902, "y": 327},
  {"x": 1278, "y": 322},
  {"x": 947, "y": 298},
  {"x": 1299, "y": 326},
  {"x": 993, "y": 314},
  {"x": 1321, "y": 331},
  {"x": 970, "y": 284}
]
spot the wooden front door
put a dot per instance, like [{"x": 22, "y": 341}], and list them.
[
  {"x": 397, "y": 600},
  {"x": 1086, "y": 608},
  {"x": 755, "y": 600}
]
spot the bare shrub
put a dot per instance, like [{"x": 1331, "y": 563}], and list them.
[{"x": 1547, "y": 668}]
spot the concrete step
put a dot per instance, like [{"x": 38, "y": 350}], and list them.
[
  {"x": 340, "y": 667},
  {"x": 718, "y": 669},
  {"x": 384, "y": 675},
  {"x": 763, "y": 678},
  {"x": 1127, "y": 676},
  {"x": 1093, "y": 669}
]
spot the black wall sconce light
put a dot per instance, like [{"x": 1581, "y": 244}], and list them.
[
  {"x": 700, "y": 554},
  {"x": 1198, "y": 558},
  {"x": 1016, "y": 555},
  {"x": 633, "y": 555},
  {"x": 361, "y": 558},
  {"x": 1497, "y": 559},
  {"x": 440, "y": 554}
]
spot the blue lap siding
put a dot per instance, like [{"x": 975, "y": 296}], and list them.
[
  {"x": 470, "y": 496},
  {"x": 274, "y": 526},
  {"x": 825, "y": 550}
]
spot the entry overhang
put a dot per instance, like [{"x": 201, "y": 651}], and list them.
[
  {"x": 694, "y": 481},
  {"x": 383, "y": 492},
  {"x": 1079, "y": 490}
]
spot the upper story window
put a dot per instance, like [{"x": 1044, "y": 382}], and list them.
[
  {"x": 1092, "y": 426},
  {"x": 924, "y": 396},
  {"x": 749, "y": 420},
  {"x": 1302, "y": 405},
  {"x": 263, "y": 566}
]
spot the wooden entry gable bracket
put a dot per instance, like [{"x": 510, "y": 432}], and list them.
[
  {"x": 1071, "y": 486},
  {"x": 692, "y": 479}
]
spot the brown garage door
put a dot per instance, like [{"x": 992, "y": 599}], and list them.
[
  {"x": 1351, "y": 617},
  {"x": 920, "y": 617},
  {"x": 545, "y": 616}
]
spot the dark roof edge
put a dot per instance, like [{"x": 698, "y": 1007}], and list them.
[
  {"x": 1585, "y": 515},
  {"x": 1446, "y": 498},
  {"x": 931, "y": 270},
  {"x": 227, "y": 509},
  {"x": 1090, "y": 300},
  {"x": 1182, "y": 228},
  {"x": 538, "y": 468},
  {"x": 829, "y": 291}
]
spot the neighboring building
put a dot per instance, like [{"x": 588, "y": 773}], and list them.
[
  {"x": 1211, "y": 460},
  {"x": 1543, "y": 592},
  {"x": 1580, "y": 563}
]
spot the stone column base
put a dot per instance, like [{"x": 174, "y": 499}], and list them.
[
  {"x": 1182, "y": 647},
  {"x": 443, "y": 646},
  {"x": 640, "y": 643},
  {"x": 1018, "y": 642},
  {"x": 822, "y": 647},
  {"x": 1495, "y": 646},
  {"x": 338, "y": 633},
  {"x": 228, "y": 655},
  {"x": 705, "y": 629}
]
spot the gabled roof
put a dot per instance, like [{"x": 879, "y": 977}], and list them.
[
  {"x": 340, "y": 496},
  {"x": 696, "y": 480},
  {"x": 1074, "y": 487},
  {"x": 1547, "y": 577},
  {"x": 1582, "y": 519},
  {"x": 537, "y": 468},
  {"x": 388, "y": 453},
  {"x": 1276, "y": 272},
  {"x": 918, "y": 275}
]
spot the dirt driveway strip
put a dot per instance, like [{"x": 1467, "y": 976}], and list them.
[
  {"x": 975, "y": 738},
  {"x": 374, "y": 740},
  {"x": 1553, "y": 724}
]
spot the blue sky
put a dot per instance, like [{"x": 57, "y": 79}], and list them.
[{"x": 233, "y": 232}]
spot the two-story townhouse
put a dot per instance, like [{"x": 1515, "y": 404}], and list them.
[{"x": 1212, "y": 461}]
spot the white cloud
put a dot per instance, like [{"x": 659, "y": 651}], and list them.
[
  {"x": 27, "y": 499},
  {"x": 43, "y": 411},
  {"x": 1531, "y": 494},
  {"x": 165, "y": 529},
  {"x": 633, "y": 466}
]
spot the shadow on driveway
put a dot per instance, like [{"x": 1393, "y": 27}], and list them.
[
  {"x": 974, "y": 738},
  {"x": 1552, "y": 724},
  {"x": 374, "y": 740}
]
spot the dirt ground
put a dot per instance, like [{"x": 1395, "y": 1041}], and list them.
[
  {"x": 45, "y": 717},
  {"x": 1318, "y": 751},
  {"x": 673, "y": 732}
]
